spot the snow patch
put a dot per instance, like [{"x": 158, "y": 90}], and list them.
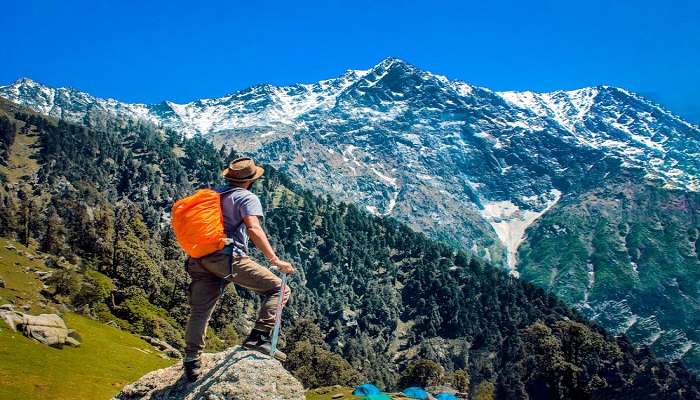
[
  {"x": 391, "y": 181},
  {"x": 510, "y": 222}
]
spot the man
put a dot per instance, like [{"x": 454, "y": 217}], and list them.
[{"x": 210, "y": 274}]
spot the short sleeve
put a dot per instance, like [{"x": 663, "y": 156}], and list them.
[{"x": 250, "y": 205}]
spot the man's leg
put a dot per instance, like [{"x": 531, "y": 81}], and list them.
[
  {"x": 247, "y": 273},
  {"x": 253, "y": 276},
  {"x": 205, "y": 290}
]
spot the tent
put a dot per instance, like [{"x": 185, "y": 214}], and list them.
[
  {"x": 380, "y": 396},
  {"x": 416, "y": 393},
  {"x": 366, "y": 389}
]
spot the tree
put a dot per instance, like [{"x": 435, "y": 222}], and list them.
[
  {"x": 485, "y": 391},
  {"x": 460, "y": 381},
  {"x": 422, "y": 373},
  {"x": 315, "y": 366},
  {"x": 53, "y": 240}
]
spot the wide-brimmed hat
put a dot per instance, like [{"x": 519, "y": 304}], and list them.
[{"x": 242, "y": 170}]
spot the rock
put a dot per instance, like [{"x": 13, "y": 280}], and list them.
[
  {"x": 48, "y": 329},
  {"x": 7, "y": 307},
  {"x": 43, "y": 274},
  {"x": 162, "y": 345},
  {"x": 11, "y": 318},
  {"x": 2, "y": 283},
  {"x": 50, "y": 262},
  {"x": 10, "y": 247},
  {"x": 232, "y": 374},
  {"x": 30, "y": 256},
  {"x": 113, "y": 324}
]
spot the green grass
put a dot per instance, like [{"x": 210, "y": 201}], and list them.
[
  {"x": 22, "y": 161},
  {"x": 327, "y": 393},
  {"x": 107, "y": 359},
  {"x": 21, "y": 287}
]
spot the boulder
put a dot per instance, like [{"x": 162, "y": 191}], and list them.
[
  {"x": 2, "y": 283},
  {"x": 163, "y": 346},
  {"x": 231, "y": 374},
  {"x": 48, "y": 329}
]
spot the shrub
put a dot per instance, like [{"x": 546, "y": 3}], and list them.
[
  {"x": 213, "y": 343},
  {"x": 148, "y": 319},
  {"x": 66, "y": 285},
  {"x": 485, "y": 391},
  {"x": 95, "y": 289},
  {"x": 315, "y": 366},
  {"x": 422, "y": 373},
  {"x": 304, "y": 330},
  {"x": 459, "y": 380},
  {"x": 230, "y": 336}
]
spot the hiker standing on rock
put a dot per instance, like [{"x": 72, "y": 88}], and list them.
[{"x": 241, "y": 211}]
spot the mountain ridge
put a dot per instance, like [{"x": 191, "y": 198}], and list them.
[
  {"x": 282, "y": 106},
  {"x": 469, "y": 166},
  {"x": 381, "y": 294}
]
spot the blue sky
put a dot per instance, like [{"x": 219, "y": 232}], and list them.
[{"x": 148, "y": 51}]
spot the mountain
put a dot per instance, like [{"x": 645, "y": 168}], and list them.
[
  {"x": 372, "y": 298},
  {"x": 509, "y": 176}
]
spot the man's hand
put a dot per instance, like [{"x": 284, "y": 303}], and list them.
[
  {"x": 283, "y": 266},
  {"x": 258, "y": 236}
]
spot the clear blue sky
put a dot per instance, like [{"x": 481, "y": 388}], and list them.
[{"x": 148, "y": 51}]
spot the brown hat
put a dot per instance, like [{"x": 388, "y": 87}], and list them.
[{"x": 242, "y": 170}]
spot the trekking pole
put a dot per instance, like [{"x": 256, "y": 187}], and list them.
[{"x": 278, "y": 316}]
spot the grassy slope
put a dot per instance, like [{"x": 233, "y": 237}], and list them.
[
  {"x": 21, "y": 284},
  {"x": 22, "y": 158},
  {"x": 107, "y": 360}
]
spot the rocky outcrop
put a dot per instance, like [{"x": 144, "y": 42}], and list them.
[
  {"x": 163, "y": 346},
  {"x": 48, "y": 329},
  {"x": 232, "y": 374}
]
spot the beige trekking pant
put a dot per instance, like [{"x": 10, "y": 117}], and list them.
[{"x": 210, "y": 275}]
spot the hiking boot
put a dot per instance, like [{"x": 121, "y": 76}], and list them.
[
  {"x": 259, "y": 340},
  {"x": 193, "y": 369}
]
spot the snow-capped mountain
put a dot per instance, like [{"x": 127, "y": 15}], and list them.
[
  {"x": 368, "y": 135},
  {"x": 462, "y": 163}
]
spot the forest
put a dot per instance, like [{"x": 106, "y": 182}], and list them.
[{"x": 373, "y": 300}]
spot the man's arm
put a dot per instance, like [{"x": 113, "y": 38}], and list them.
[{"x": 259, "y": 238}]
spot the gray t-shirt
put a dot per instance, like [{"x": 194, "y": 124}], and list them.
[{"x": 237, "y": 203}]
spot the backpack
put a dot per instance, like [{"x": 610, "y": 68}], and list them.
[{"x": 198, "y": 223}]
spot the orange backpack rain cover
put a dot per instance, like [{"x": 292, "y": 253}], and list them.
[{"x": 199, "y": 223}]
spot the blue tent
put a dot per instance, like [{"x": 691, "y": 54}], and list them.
[
  {"x": 416, "y": 393},
  {"x": 366, "y": 389},
  {"x": 445, "y": 396},
  {"x": 380, "y": 396}
]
